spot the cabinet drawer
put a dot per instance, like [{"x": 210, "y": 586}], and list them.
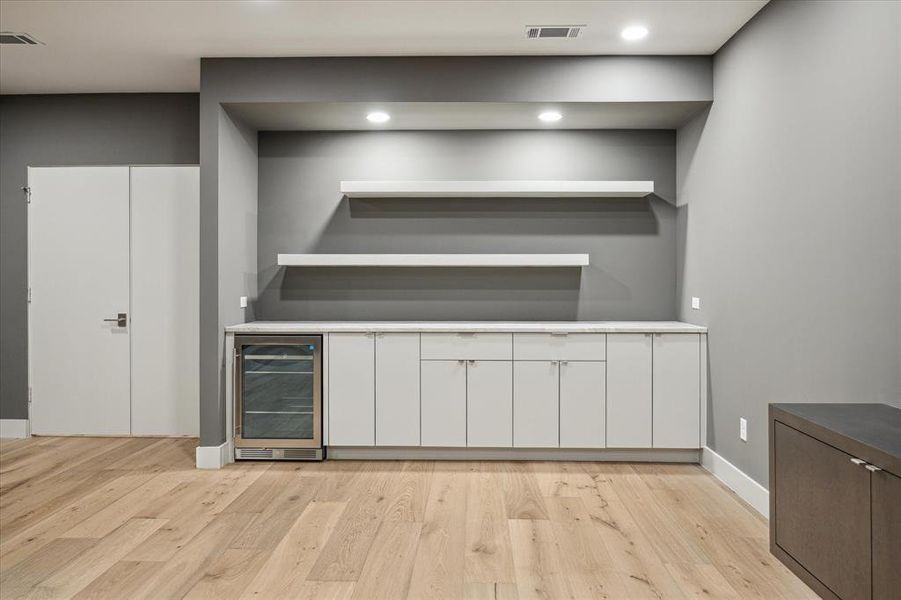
[
  {"x": 568, "y": 346},
  {"x": 467, "y": 346}
]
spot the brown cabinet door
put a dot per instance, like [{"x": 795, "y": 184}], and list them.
[
  {"x": 823, "y": 512},
  {"x": 886, "y": 489}
]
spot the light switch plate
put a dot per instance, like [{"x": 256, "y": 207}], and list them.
[
  {"x": 695, "y": 303},
  {"x": 743, "y": 429},
  {"x": 243, "y": 302}
]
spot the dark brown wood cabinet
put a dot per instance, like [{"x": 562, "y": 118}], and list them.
[
  {"x": 886, "y": 510},
  {"x": 835, "y": 497}
]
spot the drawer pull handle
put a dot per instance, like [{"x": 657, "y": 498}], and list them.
[
  {"x": 560, "y": 333},
  {"x": 857, "y": 461},
  {"x": 872, "y": 468},
  {"x": 466, "y": 334}
]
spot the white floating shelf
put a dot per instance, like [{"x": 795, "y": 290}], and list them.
[
  {"x": 433, "y": 260},
  {"x": 497, "y": 189}
]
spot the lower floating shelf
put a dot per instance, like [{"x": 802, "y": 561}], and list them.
[{"x": 433, "y": 260}]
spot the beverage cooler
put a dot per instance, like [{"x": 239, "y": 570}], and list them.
[{"x": 278, "y": 397}]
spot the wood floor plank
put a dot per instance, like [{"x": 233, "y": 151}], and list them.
[
  {"x": 214, "y": 492},
  {"x": 488, "y": 552},
  {"x": 269, "y": 527},
  {"x": 17, "y": 581},
  {"x": 153, "y": 486},
  {"x": 522, "y": 497},
  {"x": 584, "y": 556},
  {"x": 393, "y": 551},
  {"x": 229, "y": 575},
  {"x": 20, "y": 546},
  {"x": 132, "y": 518},
  {"x": 440, "y": 561},
  {"x": 81, "y": 571},
  {"x": 475, "y": 590},
  {"x": 122, "y": 580},
  {"x": 284, "y": 573},
  {"x": 540, "y": 572},
  {"x": 189, "y": 563},
  {"x": 345, "y": 552},
  {"x": 632, "y": 555}
]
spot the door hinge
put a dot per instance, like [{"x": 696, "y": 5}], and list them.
[
  {"x": 29, "y": 295},
  {"x": 29, "y": 394},
  {"x": 27, "y": 191}
]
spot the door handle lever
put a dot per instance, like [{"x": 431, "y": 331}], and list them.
[{"x": 121, "y": 320}]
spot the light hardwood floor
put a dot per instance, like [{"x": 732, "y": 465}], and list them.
[{"x": 131, "y": 518}]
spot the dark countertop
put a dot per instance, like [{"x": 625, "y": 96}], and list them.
[{"x": 877, "y": 426}]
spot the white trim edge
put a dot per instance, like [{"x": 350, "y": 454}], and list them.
[
  {"x": 213, "y": 457},
  {"x": 737, "y": 480},
  {"x": 14, "y": 428}
]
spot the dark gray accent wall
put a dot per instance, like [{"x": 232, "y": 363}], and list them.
[
  {"x": 401, "y": 79},
  {"x": 790, "y": 233},
  {"x": 631, "y": 242},
  {"x": 95, "y": 129}
]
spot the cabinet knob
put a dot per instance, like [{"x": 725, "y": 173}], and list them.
[{"x": 858, "y": 461}]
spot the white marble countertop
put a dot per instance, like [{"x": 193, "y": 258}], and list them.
[{"x": 265, "y": 327}]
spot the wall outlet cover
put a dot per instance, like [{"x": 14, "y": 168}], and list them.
[
  {"x": 743, "y": 429},
  {"x": 243, "y": 301},
  {"x": 695, "y": 303}
]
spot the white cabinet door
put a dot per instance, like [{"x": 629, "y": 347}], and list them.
[
  {"x": 489, "y": 397},
  {"x": 165, "y": 250},
  {"x": 583, "y": 404},
  {"x": 351, "y": 394},
  {"x": 629, "y": 377},
  {"x": 397, "y": 389},
  {"x": 443, "y": 403},
  {"x": 677, "y": 390},
  {"x": 536, "y": 404}
]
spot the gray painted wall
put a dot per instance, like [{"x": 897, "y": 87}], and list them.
[
  {"x": 631, "y": 242},
  {"x": 71, "y": 130},
  {"x": 790, "y": 235},
  {"x": 406, "y": 79}
]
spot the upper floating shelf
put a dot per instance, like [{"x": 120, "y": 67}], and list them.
[
  {"x": 433, "y": 260},
  {"x": 497, "y": 189}
]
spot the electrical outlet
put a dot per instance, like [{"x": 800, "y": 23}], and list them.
[
  {"x": 695, "y": 303},
  {"x": 743, "y": 429},
  {"x": 243, "y": 302}
]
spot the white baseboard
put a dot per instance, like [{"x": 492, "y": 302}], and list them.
[
  {"x": 736, "y": 480},
  {"x": 14, "y": 428},
  {"x": 213, "y": 457}
]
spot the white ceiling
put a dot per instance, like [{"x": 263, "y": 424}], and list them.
[{"x": 155, "y": 45}]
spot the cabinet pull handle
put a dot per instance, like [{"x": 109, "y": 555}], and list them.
[
  {"x": 559, "y": 333},
  {"x": 871, "y": 468},
  {"x": 857, "y": 461},
  {"x": 461, "y": 362},
  {"x": 472, "y": 362},
  {"x": 564, "y": 362}
]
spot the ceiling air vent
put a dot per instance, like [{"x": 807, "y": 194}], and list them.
[
  {"x": 7, "y": 37},
  {"x": 566, "y": 32}
]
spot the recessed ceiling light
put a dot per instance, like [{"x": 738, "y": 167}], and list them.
[
  {"x": 634, "y": 33},
  {"x": 378, "y": 117},
  {"x": 549, "y": 116}
]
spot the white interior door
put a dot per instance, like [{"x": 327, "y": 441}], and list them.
[
  {"x": 165, "y": 274},
  {"x": 78, "y": 275}
]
